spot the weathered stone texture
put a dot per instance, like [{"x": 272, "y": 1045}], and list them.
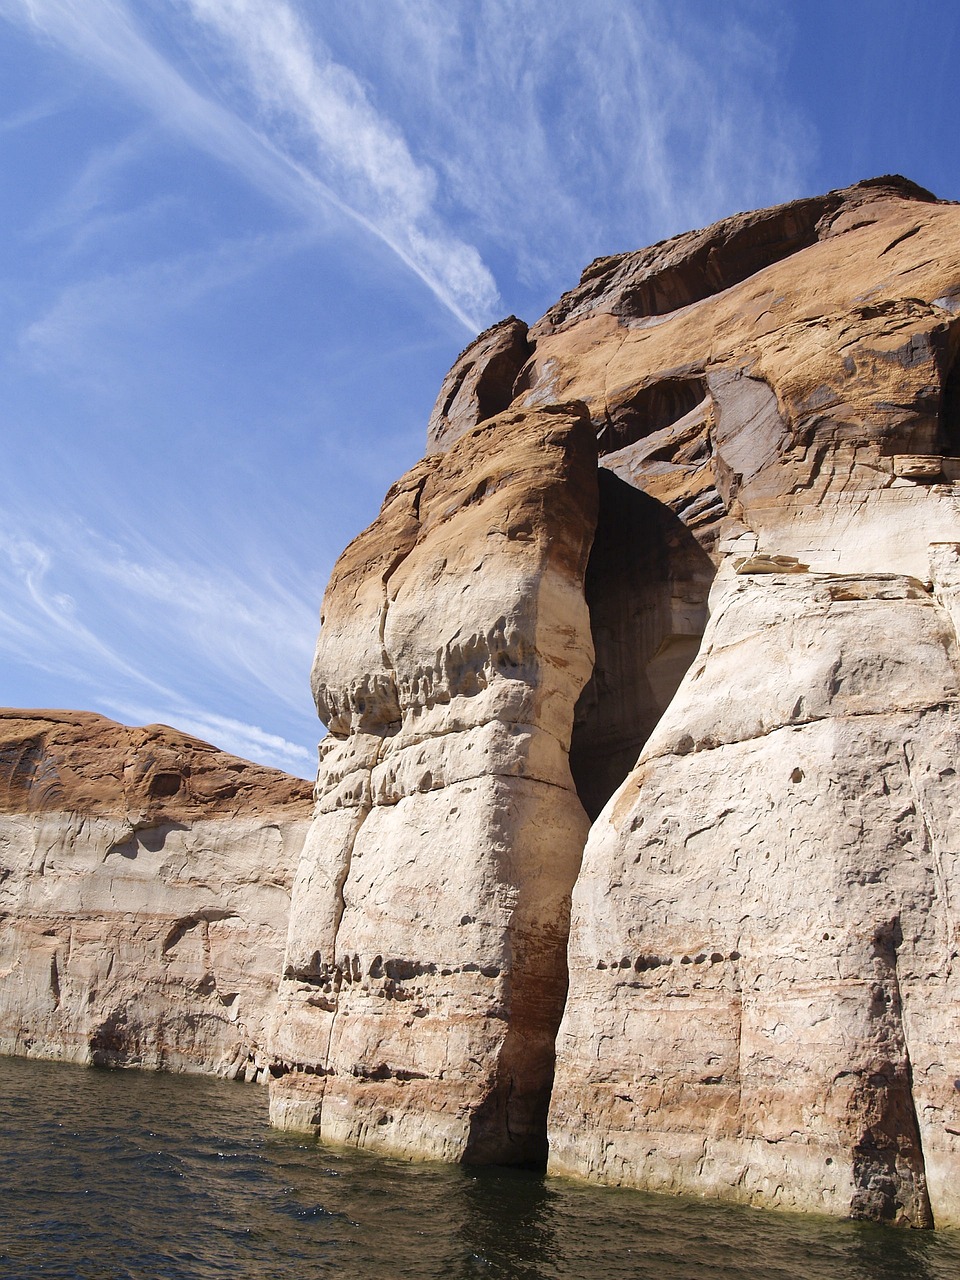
[
  {"x": 761, "y": 995},
  {"x": 144, "y": 893},
  {"x": 425, "y": 972},
  {"x": 760, "y": 926},
  {"x": 763, "y": 1001},
  {"x": 481, "y": 382}
]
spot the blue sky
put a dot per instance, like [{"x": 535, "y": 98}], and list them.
[{"x": 245, "y": 239}]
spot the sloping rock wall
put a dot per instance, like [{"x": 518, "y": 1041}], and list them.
[{"x": 144, "y": 894}]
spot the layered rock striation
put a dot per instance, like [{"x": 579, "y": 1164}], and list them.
[
  {"x": 144, "y": 894},
  {"x": 759, "y": 721}
]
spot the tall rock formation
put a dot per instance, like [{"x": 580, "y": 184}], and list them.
[
  {"x": 763, "y": 999},
  {"x": 762, "y": 959},
  {"x": 425, "y": 970},
  {"x": 144, "y": 894}
]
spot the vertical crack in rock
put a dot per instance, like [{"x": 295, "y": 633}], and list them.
[
  {"x": 933, "y": 844},
  {"x": 889, "y": 1173},
  {"x": 949, "y": 408}
]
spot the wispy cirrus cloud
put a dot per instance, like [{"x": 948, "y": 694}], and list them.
[
  {"x": 70, "y": 336},
  {"x": 29, "y": 115},
  {"x": 547, "y": 133},
  {"x": 566, "y": 130},
  {"x": 38, "y": 615},
  {"x": 206, "y": 638},
  {"x": 323, "y": 115},
  {"x": 249, "y": 741},
  {"x": 358, "y": 163}
]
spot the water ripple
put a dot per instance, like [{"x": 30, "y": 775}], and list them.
[{"x": 132, "y": 1176}]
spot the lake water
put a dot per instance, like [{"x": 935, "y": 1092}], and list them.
[{"x": 108, "y": 1175}]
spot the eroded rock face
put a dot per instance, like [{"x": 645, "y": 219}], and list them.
[
  {"x": 794, "y": 406},
  {"x": 425, "y": 969},
  {"x": 762, "y": 1002},
  {"x": 762, "y": 997},
  {"x": 481, "y": 382},
  {"x": 144, "y": 894},
  {"x": 734, "y": 653},
  {"x": 762, "y": 927}
]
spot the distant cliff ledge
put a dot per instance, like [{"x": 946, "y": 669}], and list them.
[{"x": 635, "y": 845}]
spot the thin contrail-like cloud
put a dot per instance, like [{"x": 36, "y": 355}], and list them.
[{"x": 360, "y": 165}]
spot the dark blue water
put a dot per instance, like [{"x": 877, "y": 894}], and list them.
[{"x": 122, "y": 1174}]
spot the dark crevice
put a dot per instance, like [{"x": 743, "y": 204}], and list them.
[
  {"x": 649, "y": 410},
  {"x": 509, "y": 1127},
  {"x": 481, "y": 383},
  {"x": 646, "y": 586},
  {"x": 889, "y": 1173},
  {"x": 950, "y": 396},
  {"x": 495, "y": 384}
]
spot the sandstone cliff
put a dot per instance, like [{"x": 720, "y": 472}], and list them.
[
  {"x": 749, "y": 688},
  {"x": 144, "y": 894},
  {"x": 425, "y": 973}
]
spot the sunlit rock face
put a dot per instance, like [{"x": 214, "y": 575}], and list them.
[
  {"x": 144, "y": 894},
  {"x": 763, "y": 1003},
  {"x": 759, "y": 718},
  {"x": 425, "y": 970}
]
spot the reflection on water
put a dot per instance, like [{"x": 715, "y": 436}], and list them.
[{"x": 109, "y": 1175}]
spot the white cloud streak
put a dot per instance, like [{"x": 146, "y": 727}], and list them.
[
  {"x": 44, "y": 618},
  {"x": 551, "y": 132},
  {"x": 322, "y": 108},
  {"x": 378, "y": 184},
  {"x": 197, "y": 629},
  {"x": 248, "y": 741},
  {"x": 565, "y": 130},
  {"x": 29, "y": 116},
  {"x": 68, "y": 338}
]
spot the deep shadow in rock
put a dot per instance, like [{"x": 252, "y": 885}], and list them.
[
  {"x": 950, "y": 396},
  {"x": 647, "y": 584}
]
